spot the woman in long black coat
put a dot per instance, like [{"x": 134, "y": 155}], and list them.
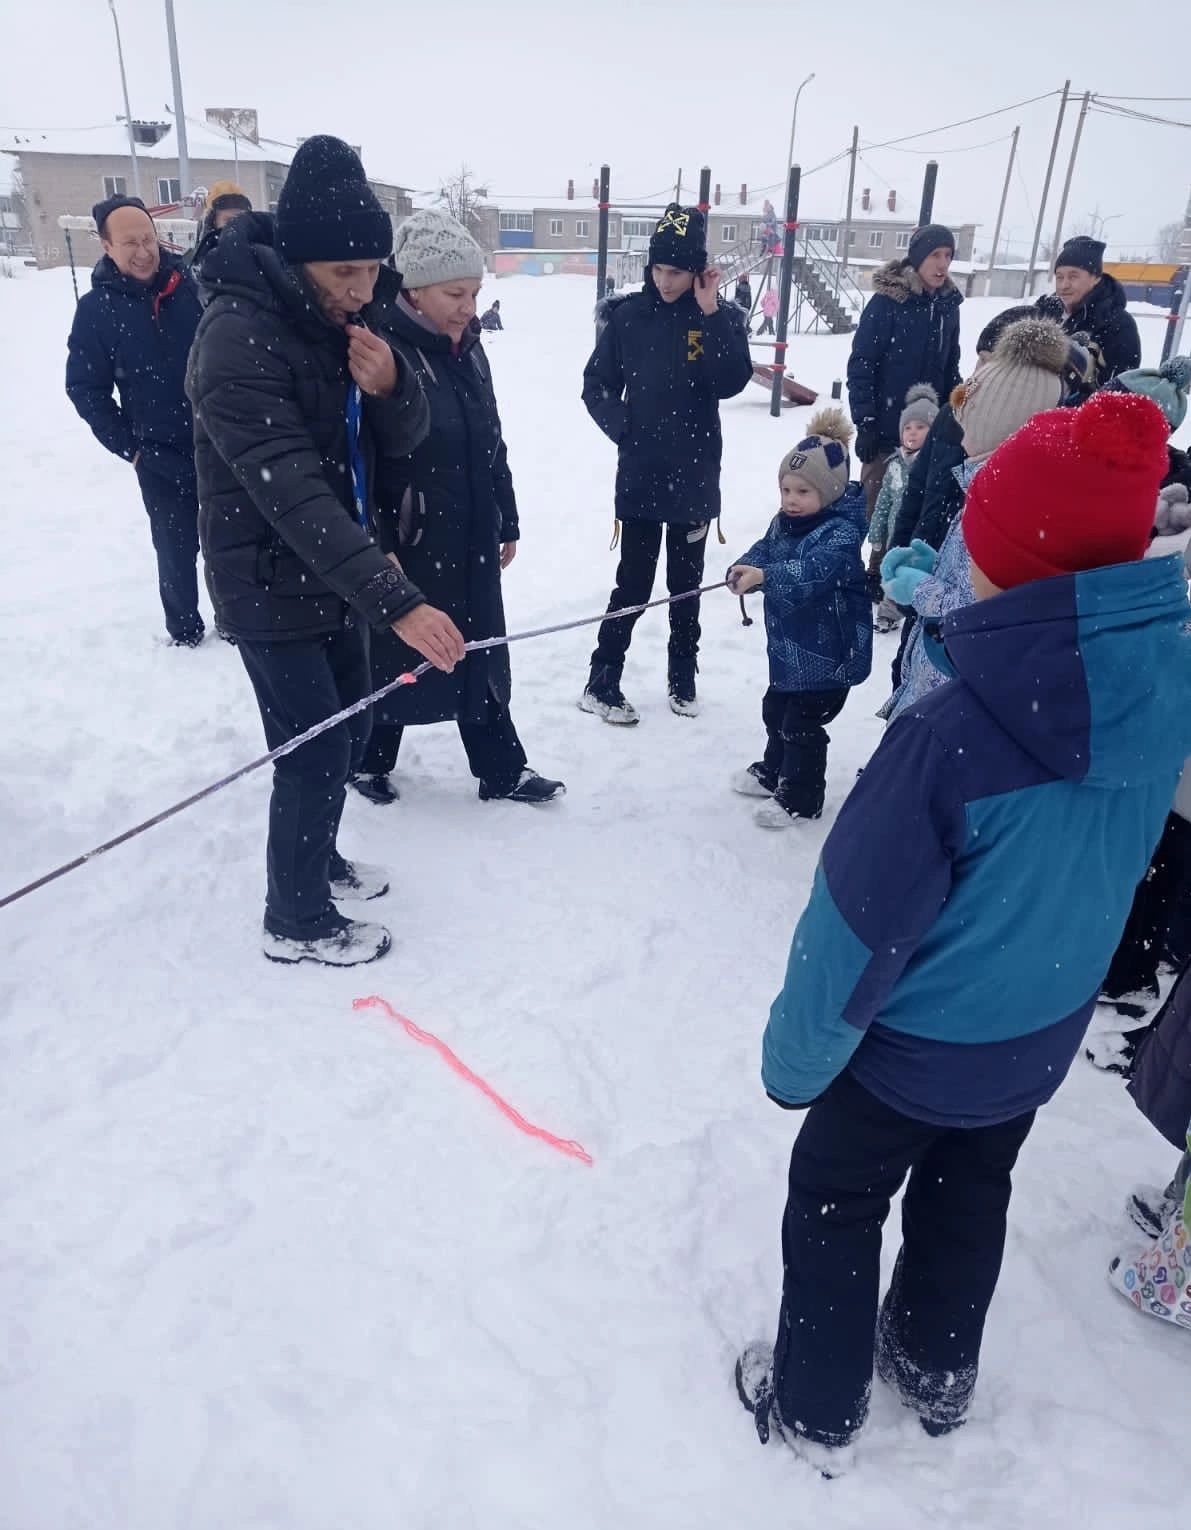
[{"x": 448, "y": 515}]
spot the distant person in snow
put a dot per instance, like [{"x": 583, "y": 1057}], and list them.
[
  {"x": 770, "y": 240},
  {"x": 448, "y": 514},
  {"x": 769, "y": 306},
  {"x": 743, "y": 298},
  {"x": 664, "y": 359},
  {"x": 491, "y": 317},
  {"x": 1088, "y": 301},
  {"x": 927, "y": 1015},
  {"x": 125, "y": 374},
  {"x": 297, "y": 402},
  {"x": 908, "y": 333},
  {"x": 225, "y": 203},
  {"x": 920, "y": 413},
  {"x": 817, "y": 624}
]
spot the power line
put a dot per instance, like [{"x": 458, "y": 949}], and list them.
[
  {"x": 1142, "y": 98},
  {"x": 1123, "y": 111},
  {"x": 989, "y": 143},
  {"x": 964, "y": 122}
]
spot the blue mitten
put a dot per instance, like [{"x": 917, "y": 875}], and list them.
[
  {"x": 919, "y": 555},
  {"x": 905, "y": 581}
]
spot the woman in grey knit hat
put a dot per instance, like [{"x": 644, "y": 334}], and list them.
[{"x": 448, "y": 515}]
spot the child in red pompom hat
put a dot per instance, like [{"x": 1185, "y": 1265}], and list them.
[
  {"x": 963, "y": 915},
  {"x": 1073, "y": 489}
]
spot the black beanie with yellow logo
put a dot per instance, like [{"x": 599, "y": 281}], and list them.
[{"x": 680, "y": 239}]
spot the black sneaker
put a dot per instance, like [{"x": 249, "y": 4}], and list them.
[
  {"x": 378, "y": 789},
  {"x": 530, "y": 788},
  {"x": 683, "y": 702},
  {"x": 189, "y": 639},
  {"x": 604, "y": 698},
  {"x": 350, "y": 945}
]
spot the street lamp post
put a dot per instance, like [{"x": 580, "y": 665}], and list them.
[
  {"x": 136, "y": 173},
  {"x": 179, "y": 109},
  {"x": 794, "y": 122}
]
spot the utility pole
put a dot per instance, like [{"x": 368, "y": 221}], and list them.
[
  {"x": 794, "y": 120},
  {"x": 783, "y": 298},
  {"x": 179, "y": 109},
  {"x": 136, "y": 170},
  {"x": 926, "y": 211},
  {"x": 678, "y": 186},
  {"x": 992, "y": 259},
  {"x": 1028, "y": 284},
  {"x": 602, "y": 255},
  {"x": 847, "y": 232},
  {"x": 1083, "y": 114}
]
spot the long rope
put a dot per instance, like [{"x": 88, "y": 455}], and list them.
[{"x": 409, "y": 678}]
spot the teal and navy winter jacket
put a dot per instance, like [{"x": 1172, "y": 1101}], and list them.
[
  {"x": 973, "y": 890},
  {"x": 818, "y": 617}
]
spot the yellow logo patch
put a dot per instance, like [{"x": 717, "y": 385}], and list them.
[
  {"x": 680, "y": 222},
  {"x": 694, "y": 344}
]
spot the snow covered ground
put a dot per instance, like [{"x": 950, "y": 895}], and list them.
[{"x": 267, "y": 1265}]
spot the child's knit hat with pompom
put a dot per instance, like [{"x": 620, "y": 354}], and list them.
[
  {"x": 822, "y": 459},
  {"x": 1073, "y": 489}
]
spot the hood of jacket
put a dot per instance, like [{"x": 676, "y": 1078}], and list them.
[
  {"x": 1089, "y": 673},
  {"x": 107, "y": 275},
  {"x": 244, "y": 265},
  {"x": 897, "y": 279}
]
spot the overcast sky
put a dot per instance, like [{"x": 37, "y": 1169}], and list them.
[{"x": 529, "y": 92}]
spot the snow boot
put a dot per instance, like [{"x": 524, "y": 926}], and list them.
[
  {"x": 1135, "y": 1005},
  {"x": 378, "y": 789},
  {"x": 754, "y": 1387},
  {"x": 683, "y": 702},
  {"x": 948, "y": 1411},
  {"x": 604, "y": 698},
  {"x": 351, "y": 945},
  {"x": 353, "y": 881},
  {"x": 1158, "y": 1280},
  {"x": 773, "y": 815},
  {"x": 888, "y": 617},
  {"x": 530, "y": 788},
  {"x": 1150, "y": 1209},
  {"x": 753, "y": 782}
]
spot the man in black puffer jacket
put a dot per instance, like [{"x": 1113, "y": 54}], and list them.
[
  {"x": 664, "y": 359},
  {"x": 294, "y": 399},
  {"x": 908, "y": 334},
  {"x": 1087, "y": 301},
  {"x": 131, "y": 337}
]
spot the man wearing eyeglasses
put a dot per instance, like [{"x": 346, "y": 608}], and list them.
[{"x": 126, "y": 373}]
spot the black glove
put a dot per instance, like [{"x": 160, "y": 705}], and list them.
[{"x": 868, "y": 444}]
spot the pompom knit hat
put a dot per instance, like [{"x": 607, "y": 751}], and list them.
[
  {"x": 1168, "y": 387},
  {"x": 1073, "y": 489},
  {"x": 327, "y": 210},
  {"x": 1023, "y": 378},
  {"x": 680, "y": 239},
  {"x": 822, "y": 459},
  {"x": 433, "y": 247},
  {"x": 922, "y": 407}
]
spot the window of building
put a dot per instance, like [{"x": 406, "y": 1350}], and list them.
[
  {"x": 636, "y": 228},
  {"x": 903, "y": 240},
  {"x": 168, "y": 190},
  {"x": 728, "y": 233},
  {"x": 876, "y": 239},
  {"x": 516, "y": 223},
  {"x": 115, "y": 186},
  {"x": 556, "y": 228},
  {"x": 851, "y": 237},
  {"x": 582, "y": 228}
]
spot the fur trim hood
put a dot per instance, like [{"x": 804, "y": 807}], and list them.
[{"x": 898, "y": 280}]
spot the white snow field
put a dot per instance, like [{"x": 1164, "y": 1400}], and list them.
[{"x": 266, "y": 1264}]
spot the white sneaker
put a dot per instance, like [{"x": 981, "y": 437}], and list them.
[
  {"x": 360, "y": 883},
  {"x": 682, "y": 708},
  {"x": 351, "y": 946},
  {"x": 622, "y": 714},
  {"x": 747, "y": 783}
]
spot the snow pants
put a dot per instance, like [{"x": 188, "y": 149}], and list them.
[
  {"x": 494, "y": 752},
  {"x": 795, "y": 760},
  {"x": 640, "y": 546},
  {"x": 1158, "y": 921},
  {"x": 848, "y": 1162},
  {"x": 172, "y": 507},
  {"x": 297, "y": 684}
]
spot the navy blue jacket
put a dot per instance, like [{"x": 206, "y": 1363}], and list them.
[
  {"x": 818, "y": 616},
  {"x": 1019, "y": 806},
  {"x": 1105, "y": 318},
  {"x": 933, "y": 496},
  {"x": 133, "y": 339},
  {"x": 906, "y": 335},
  {"x": 653, "y": 385}
]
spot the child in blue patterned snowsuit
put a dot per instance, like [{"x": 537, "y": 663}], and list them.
[{"x": 818, "y": 620}]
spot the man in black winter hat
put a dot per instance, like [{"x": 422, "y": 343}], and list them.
[
  {"x": 297, "y": 405},
  {"x": 126, "y": 373},
  {"x": 1088, "y": 301},
  {"x": 908, "y": 334},
  {"x": 664, "y": 359}
]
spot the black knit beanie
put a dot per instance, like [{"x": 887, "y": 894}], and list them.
[
  {"x": 327, "y": 210},
  {"x": 925, "y": 241},
  {"x": 102, "y": 211},
  {"x": 680, "y": 240},
  {"x": 1084, "y": 253}
]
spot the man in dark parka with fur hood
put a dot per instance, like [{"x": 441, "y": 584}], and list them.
[{"x": 908, "y": 334}]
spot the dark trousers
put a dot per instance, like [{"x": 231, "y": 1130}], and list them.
[
  {"x": 640, "y": 545},
  {"x": 172, "y": 508},
  {"x": 298, "y": 684},
  {"x": 795, "y": 760},
  {"x": 766, "y": 326},
  {"x": 1157, "y": 924},
  {"x": 849, "y": 1160},
  {"x": 494, "y": 752},
  {"x": 899, "y": 657}
]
